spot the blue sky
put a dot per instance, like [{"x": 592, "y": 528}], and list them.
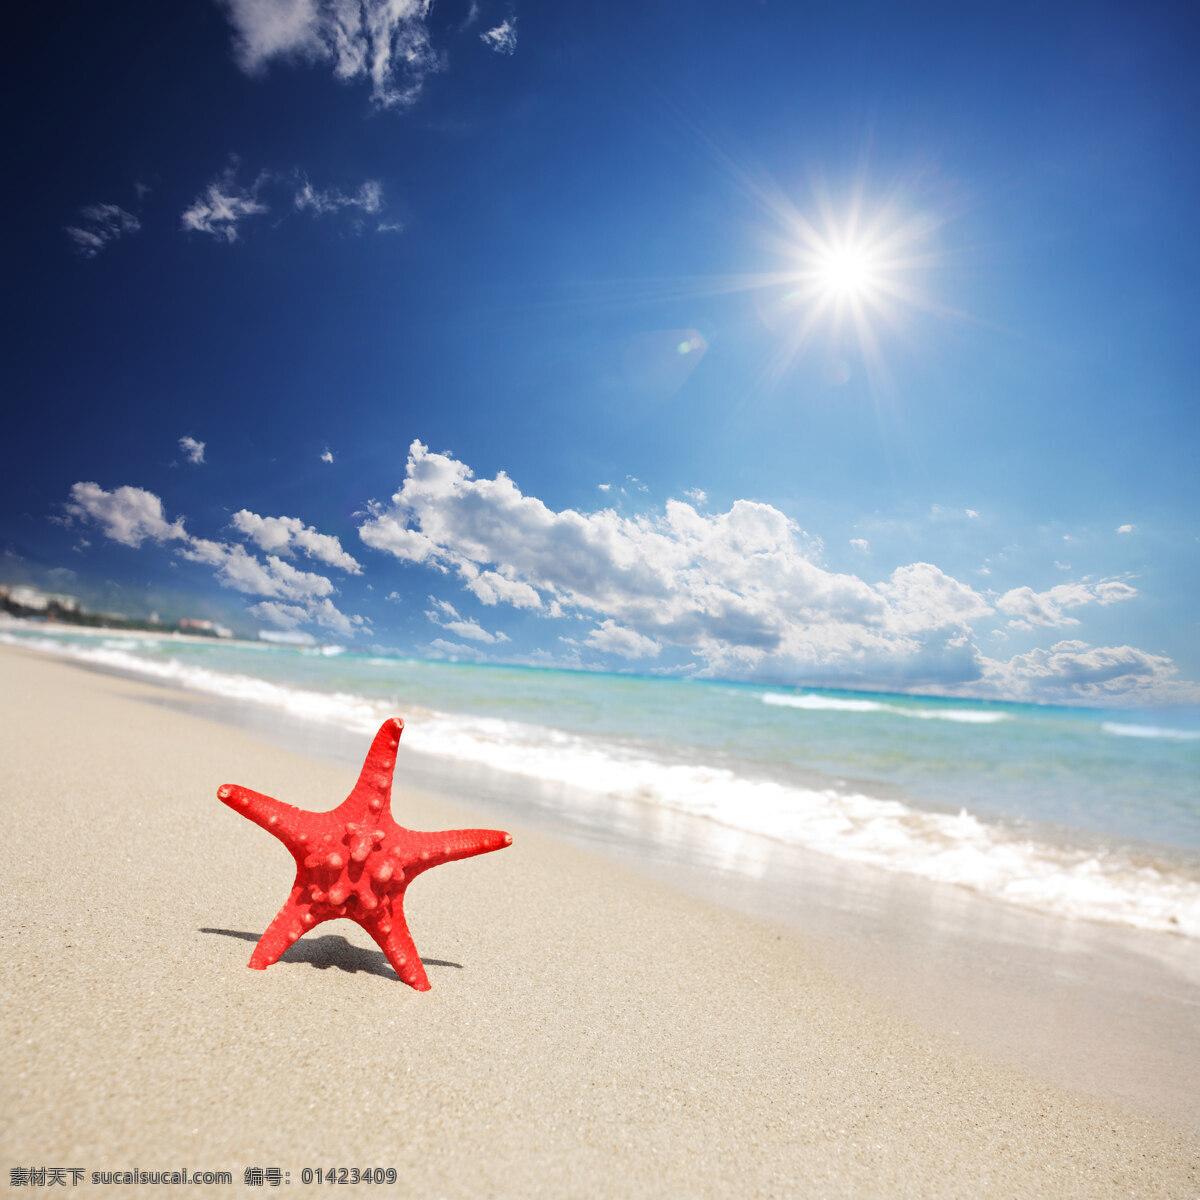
[{"x": 848, "y": 345}]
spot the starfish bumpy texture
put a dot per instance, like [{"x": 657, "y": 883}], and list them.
[{"x": 355, "y": 861}]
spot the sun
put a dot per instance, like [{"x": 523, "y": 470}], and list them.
[
  {"x": 851, "y": 277},
  {"x": 847, "y": 272}
]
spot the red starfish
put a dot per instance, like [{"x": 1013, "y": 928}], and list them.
[{"x": 355, "y": 861}]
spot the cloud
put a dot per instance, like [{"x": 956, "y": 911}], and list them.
[
  {"x": 1078, "y": 671},
  {"x": 739, "y": 589},
  {"x": 369, "y": 199},
  {"x": 193, "y": 449},
  {"x": 276, "y": 579},
  {"x": 128, "y": 515},
  {"x": 443, "y": 648},
  {"x": 285, "y": 535},
  {"x": 383, "y": 41},
  {"x": 972, "y": 513},
  {"x": 286, "y": 616},
  {"x": 1029, "y": 608},
  {"x": 503, "y": 38},
  {"x": 131, "y": 516},
  {"x": 490, "y": 587},
  {"x": 223, "y": 205},
  {"x": 860, "y": 544},
  {"x": 236, "y": 568},
  {"x": 612, "y": 638},
  {"x": 697, "y": 495},
  {"x": 1126, "y": 528},
  {"x": 446, "y": 615},
  {"x": 100, "y": 224},
  {"x": 327, "y": 455}
]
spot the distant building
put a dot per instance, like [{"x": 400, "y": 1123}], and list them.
[{"x": 35, "y": 600}]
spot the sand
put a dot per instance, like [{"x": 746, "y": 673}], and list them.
[{"x": 589, "y": 1033}]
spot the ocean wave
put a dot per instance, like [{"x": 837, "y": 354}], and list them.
[
  {"x": 1149, "y": 731},
  {"x": 965, "y": 716},
  {"x": 845, "y": 824},
  {"x": 822, "y": 703}
]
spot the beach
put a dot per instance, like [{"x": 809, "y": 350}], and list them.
[{"x": 591, "y": 1031}]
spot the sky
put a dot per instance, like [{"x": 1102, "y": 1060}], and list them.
[{"x": 837, "y": 345}]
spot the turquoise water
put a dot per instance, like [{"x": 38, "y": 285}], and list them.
[{"x": 1080, "y": 811}]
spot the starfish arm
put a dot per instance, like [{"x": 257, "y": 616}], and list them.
[
  {"x": 375, "y": 779},
  {"x": 283, "y": 820},
  {"x": 399, "y": 949},
  {"x": 289, "y": 925},
  {"x": 433, "y": 849}
]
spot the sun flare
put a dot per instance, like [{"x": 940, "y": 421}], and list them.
[{"x": 852, "y": 280}]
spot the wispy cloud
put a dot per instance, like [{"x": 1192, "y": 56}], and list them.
[
  {"x": 503, "y": 38},
  {"x": 193, "y": 449},
  {"x": 327, "y": 455},
  {"x": 446, "y": 615},
  {"x": 368, "y": 198},
  {"x": 385, "y": 42},
  {"x": 99, "y": 224},
  {"x": 224, "y": 205}
]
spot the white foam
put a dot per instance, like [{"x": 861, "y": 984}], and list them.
[
  {"x": 1149, "y": 731},
  {"x": 849, "y": 825},
  {"x": 822, "y": 703},
  {"x": 835, "y": 704}
]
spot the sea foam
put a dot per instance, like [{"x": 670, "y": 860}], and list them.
[
  {"x": 846, "y": 823},
  {"x": 814, "y": 703}
]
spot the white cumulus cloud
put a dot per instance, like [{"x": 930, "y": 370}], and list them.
[
  {"x": 612, "y": 638},
  {"x": 128, "y": 515},
  {"x": 193, "y": 449},
  {"x": 285, "y": 535},
  {"x": 1029, "y": 608},
  {"x": 1075, "y": 670},
  {"x": 385, "y": 42},
  {"x": 237, "y": 568},
  {"x": 291, "y": 596},
  {"x": 739, "y": 589}
]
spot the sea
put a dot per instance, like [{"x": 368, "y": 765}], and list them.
[{"x": 1080, "y": 813}]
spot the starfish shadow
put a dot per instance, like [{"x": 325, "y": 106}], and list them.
[{"x": 332, "y": 950}]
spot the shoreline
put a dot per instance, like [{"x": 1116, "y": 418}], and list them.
[{"x": 582, "y": 1015}]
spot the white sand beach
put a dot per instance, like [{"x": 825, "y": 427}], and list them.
[{"x": 589, "y": 1033}]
